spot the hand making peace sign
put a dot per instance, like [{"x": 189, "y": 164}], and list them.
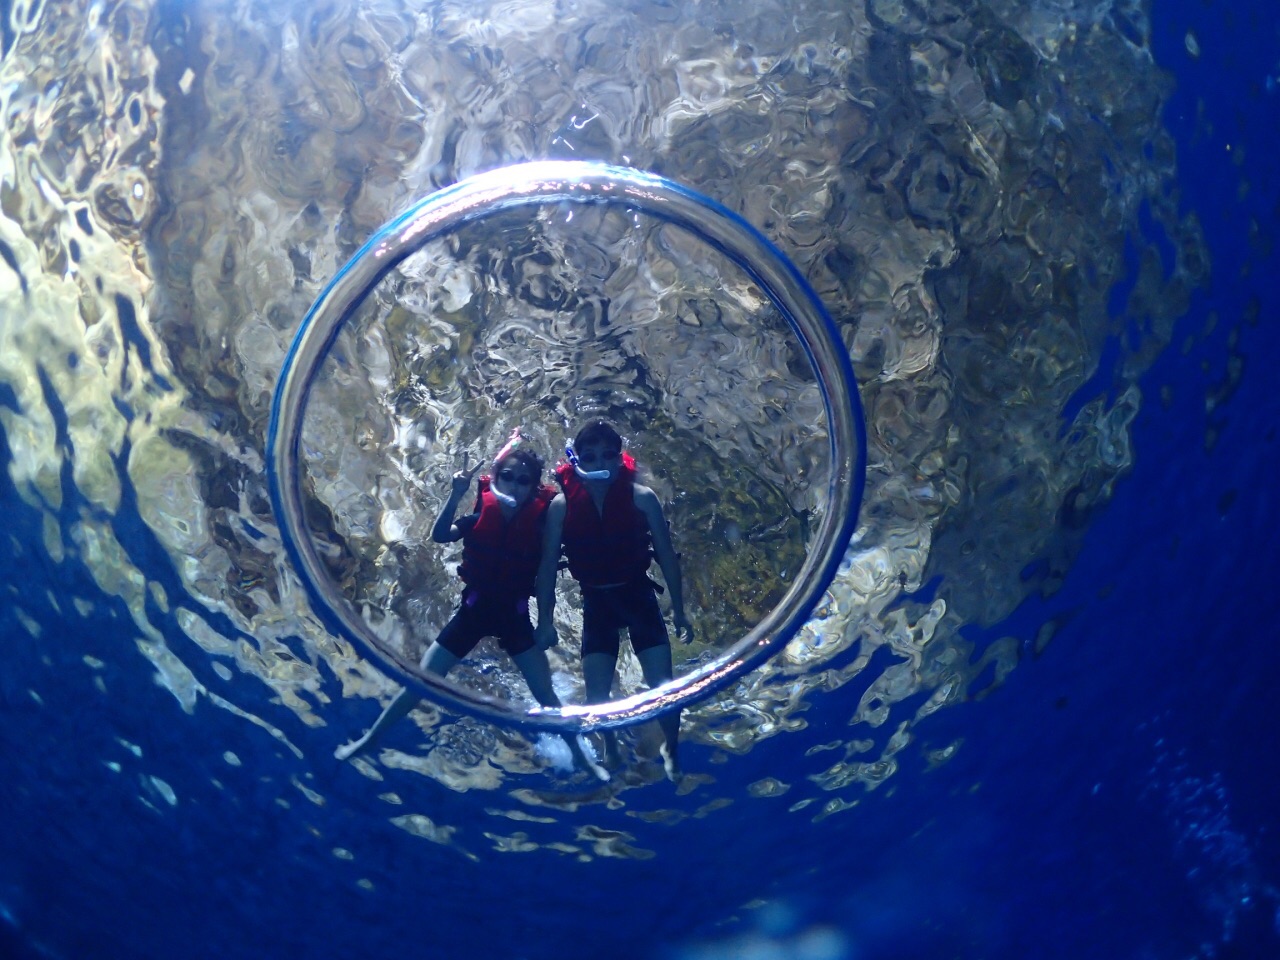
[{"x": 462, "y": 479}]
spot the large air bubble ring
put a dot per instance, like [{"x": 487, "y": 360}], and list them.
[{"x": 480, "y": 196}]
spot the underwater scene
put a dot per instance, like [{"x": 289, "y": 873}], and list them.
[{"x": 962, "y": 563}]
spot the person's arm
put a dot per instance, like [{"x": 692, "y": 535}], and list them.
[
  {"x": 545, "y": 591},
  {"x": 647, "y": 503},
  {"x": 445, "y": 530}
]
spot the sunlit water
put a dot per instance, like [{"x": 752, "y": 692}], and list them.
[{"x": 963, "y": 186}]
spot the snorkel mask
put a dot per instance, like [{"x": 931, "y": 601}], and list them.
[
  {"x": 513, "y": 442},
  {"x": 584, "y": 474}
]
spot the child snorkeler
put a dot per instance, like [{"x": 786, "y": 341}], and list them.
[
  {"x": 610, "y": 527},
  {"x": 501, "y": 550}
]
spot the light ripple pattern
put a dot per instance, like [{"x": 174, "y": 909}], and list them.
[{"x": 957, "y": 183}]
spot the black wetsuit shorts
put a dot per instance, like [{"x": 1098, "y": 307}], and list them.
[
  {"x": 479, "y": 616},
  {"x": 606, "y": 610}
]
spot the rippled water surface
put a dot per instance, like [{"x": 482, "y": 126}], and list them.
[
  {"x": 180, "y": 182},
  {"x": 537, "y": 320},
  {"x": 980, "y": 192}
]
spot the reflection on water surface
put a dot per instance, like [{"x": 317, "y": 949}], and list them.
[{"x": 978, "y": 191}]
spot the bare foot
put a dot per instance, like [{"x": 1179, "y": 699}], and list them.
[
  {"x": 670, "y": 763},
  {"x": 583, "y": 761},
  {"x": 597, "y": 771},
  {"x": 348, "y": 749}
]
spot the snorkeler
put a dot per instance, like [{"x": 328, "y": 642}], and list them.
[
  {"x": 610, "y": 528},
  {"x": 501, "y": 549}
]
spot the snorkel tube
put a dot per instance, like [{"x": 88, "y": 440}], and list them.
[
  {"x": 505, "y": 499},
  {"x": 513, "y": 442},
  {"x": 584, "y": 474}
]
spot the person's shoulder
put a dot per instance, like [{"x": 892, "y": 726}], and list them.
[
  {"x": 553, "y": 516},
  {"x": 644, "y": 497},
  {"x": 553, "y": 502}
]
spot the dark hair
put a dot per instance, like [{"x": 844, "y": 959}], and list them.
[
  {"x": 526, "y": 458},
  {"x": 598, "y": 432}
]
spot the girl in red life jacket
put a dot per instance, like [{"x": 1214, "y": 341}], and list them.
[
  {"x": 610, "y": 528},
  {"x": 501, "y": 550}
]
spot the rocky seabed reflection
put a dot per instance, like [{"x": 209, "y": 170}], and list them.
[
  {"x": 958, "y": 182},
  {"x": 535, "y": 318}
]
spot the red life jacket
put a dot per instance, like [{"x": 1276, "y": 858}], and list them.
[
  {"x": 501, "y": 556},
  {"x": 609, "y": 547}
]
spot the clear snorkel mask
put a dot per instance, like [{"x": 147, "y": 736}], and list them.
[{"x": 584, "y": 474}]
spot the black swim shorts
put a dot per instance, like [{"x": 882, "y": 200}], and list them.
[
  {"x": 606, "y": 610},
  {"x": 479, "y": 617}
]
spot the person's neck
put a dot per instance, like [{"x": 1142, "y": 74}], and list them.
[{"x": 598, "y": 491}]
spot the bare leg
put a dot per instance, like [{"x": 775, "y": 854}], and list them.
[
  {"x": 436, "y": 660},
  {"x": 655, "y": 664},
  {"x": 597, "y": 674},
  {"x": 536, "y": 670}
]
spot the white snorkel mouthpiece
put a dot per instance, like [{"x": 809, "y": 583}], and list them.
[
  {"x": 584, "y": 474},
  {"x": 505, "y": 499}
]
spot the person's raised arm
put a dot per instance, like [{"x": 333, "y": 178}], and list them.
[
  {"x": 647, "y": 502},
  {"x": 545, "y": 635},
  {"x": 445, "y": 530}
]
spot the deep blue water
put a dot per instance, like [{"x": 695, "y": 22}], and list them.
[{"x": 1115, "y": 798}]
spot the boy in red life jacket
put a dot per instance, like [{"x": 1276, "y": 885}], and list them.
[
  {"x": 610, "y": 528},
  {"x": 501, "y": 550}
]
